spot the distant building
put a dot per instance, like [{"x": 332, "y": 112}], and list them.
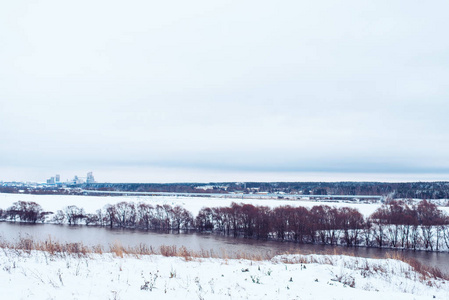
[
  {"x": 54, "y": 180},
  {"x": 90, "y": 178},
  {"x": 77, "y": 180}
]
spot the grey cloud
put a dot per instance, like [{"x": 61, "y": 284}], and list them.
[{"x": 254, "y": 85}]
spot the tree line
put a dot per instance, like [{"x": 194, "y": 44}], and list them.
[
  {"x": 417, "y": 190},
  {"x": 393, "y": 225},
  {"x": 402, "y": 190}
]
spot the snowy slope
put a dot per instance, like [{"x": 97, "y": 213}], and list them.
[{"x": 103, "y": 276}]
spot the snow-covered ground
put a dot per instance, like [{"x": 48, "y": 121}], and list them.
[
  {"x": 193, "y": 204},
  {"x": 38, "y": 275}
]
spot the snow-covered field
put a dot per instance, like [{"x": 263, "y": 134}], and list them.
[
  {"x": 38, "y": 275},
  {"x": 193, "y": 204}
]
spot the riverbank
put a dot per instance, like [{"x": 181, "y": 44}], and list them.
[{"x": 78, "y": 273}]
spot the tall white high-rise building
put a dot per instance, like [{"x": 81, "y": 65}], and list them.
[{"x": 90, "y": 178}]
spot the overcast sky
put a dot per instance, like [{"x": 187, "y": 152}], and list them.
[{"x": 144, "y": 90}]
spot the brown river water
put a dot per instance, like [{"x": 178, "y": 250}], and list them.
[{"x": 198, "y": 241}]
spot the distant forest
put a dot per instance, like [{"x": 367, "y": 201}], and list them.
[{"x": 421, "y": 190}]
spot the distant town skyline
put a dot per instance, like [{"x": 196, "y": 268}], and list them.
[
  {"x": 170, "y": 175},
  {"x": 56, "y": 180},
  {"x": 224, "y": 91}
]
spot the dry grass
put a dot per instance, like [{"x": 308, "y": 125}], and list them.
[
  {"x": 26, "y": 245},
  {"x": 426, "y": 272}
]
